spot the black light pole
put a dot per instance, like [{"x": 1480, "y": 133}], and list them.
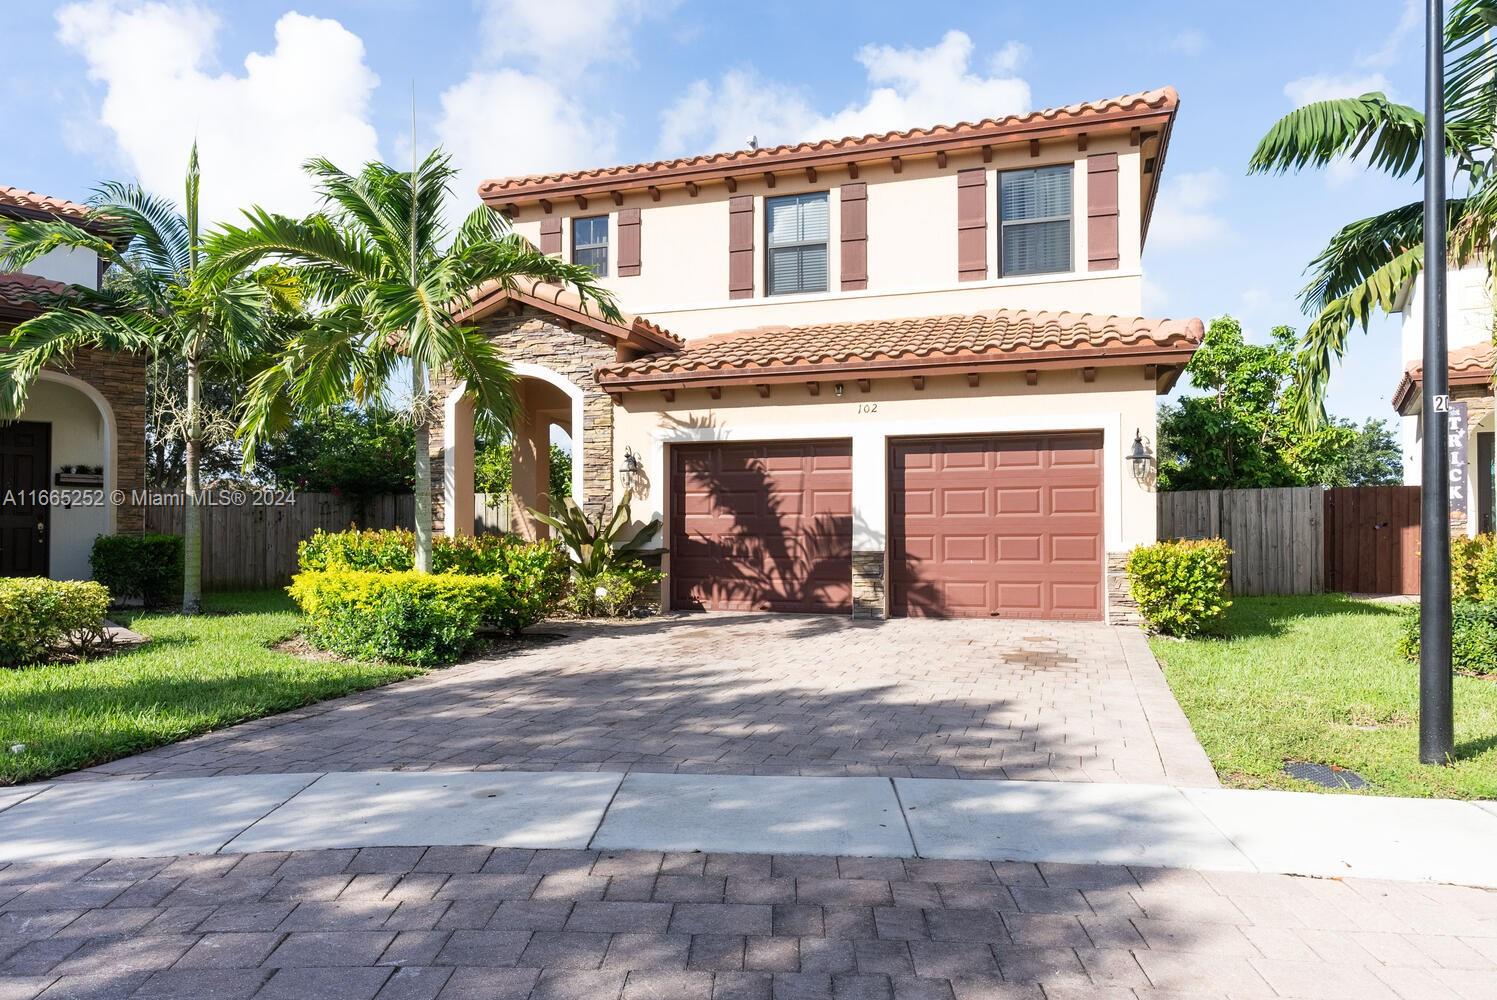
[{"x": 1436, "y": 720}]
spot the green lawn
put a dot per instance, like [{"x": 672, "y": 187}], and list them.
[
  {"x": 197, "y": 674},
  {"x": 1318, "y": 679}
]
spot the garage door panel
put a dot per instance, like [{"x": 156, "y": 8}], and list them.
[
  {"x": 1040, "y": 526},
  {"x": 762, "y": 527}
]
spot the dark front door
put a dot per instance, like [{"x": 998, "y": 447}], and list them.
[{"x": 25, "y": 458}]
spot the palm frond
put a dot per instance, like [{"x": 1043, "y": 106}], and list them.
[
  {"x": 330, "y": 257},
  {"x": 157, "y": 230},
  {"x": 1471, "y": 70},
  {"x": 52, "y": 339}
]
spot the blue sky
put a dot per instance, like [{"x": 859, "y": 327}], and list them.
[{"x": 100, "y": 89}]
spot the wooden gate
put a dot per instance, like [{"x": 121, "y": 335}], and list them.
[{"x": 1372, "y": 539}]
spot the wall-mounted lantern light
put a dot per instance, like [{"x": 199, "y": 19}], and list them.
[
  {"x": 631, "y": 466},
  {"x": 1139, "y": 455}
]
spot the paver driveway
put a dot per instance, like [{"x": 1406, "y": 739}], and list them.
[{"x": 751, "y": 694}]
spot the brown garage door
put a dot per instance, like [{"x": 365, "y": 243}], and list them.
[
  {"x": 1007, "y": 526},
  {"x": 759, "y": 527}
]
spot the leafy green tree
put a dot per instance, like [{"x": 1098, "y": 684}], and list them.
[
  {"x": 392, "y": 277},
  {"x": 1368, "y": 263},
  {"x": 493, "y": 466},
  {"x": 1370, "y": 456},
  {"x": 1240, "y": 433},
  {"x": 161, "y": 298},
  {"x": 355, "y": 452}
]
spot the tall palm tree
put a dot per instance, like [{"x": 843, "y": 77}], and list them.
[
  {"x": 1368, "y": 263},
  {"x": 390, "y": 275},
  {"x": 156, "y": 299}
]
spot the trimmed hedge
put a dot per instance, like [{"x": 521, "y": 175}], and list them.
[
  {"x": 407, "y": 617},
  {"x": 613, "y": 593},
  {"x": 1473, "y": 637},
  {"x": 40, "y": 618},
  {"x": 1180, "y": 586},
  {"x": 147, "y": 567},
  {"x": 1473, "y": 568},
  {"x": 393, "y": 550}
]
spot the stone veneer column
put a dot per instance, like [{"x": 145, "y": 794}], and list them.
[
  {"x": 121, "y": 380},
  {"x": 868, "y": 590},
  {"x": 1122, "y": 609},
  {"x": 538, "y": 338}
]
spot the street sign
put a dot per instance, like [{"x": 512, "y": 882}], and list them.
[{"x": 1455, "y": 438}]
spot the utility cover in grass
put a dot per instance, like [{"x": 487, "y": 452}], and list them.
[{"x": 1324, "y": 775}]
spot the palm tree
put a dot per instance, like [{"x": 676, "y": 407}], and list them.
[
  {"x": 378, "y": 259},
  {"x": 157, "y": 299},
  {"x": 1368, "y": 263}
]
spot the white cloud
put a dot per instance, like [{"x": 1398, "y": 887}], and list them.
[
  {"x": 561, "y": 36},
  {"x": 1009, "y": 58},
  {"x": 502, "y": 122},
  {"x": 1330, "y": 86},
  {"x": 1400, "y": 38},
  {"x": 908, "y": 87},
  {"x": 1185, "y": 212},
  {"x": 308, "y": 96}
]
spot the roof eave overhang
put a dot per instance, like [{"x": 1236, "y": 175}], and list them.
[
  {"x": 633, "y": 335},
  {"x": 1408, "y": 391},
  {"x": 1121, "y": 118},
  {"x": 898, "y": 368}
]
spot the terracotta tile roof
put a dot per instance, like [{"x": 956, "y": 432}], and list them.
[
  {"x": 19, "y": 292},
  {"x": 910, "y": 346},
  {"x": 14, "y": 197},
  {"x": 568, "y": 305},
  {"x": 1473, "y": 365},
  {"x": 504, "y": 189}
]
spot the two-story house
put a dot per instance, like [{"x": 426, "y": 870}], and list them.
[
  {"x": 81, "y": 436},
  {"x": 901, "y": 374},
  {"x": 1471, "y": 322}
]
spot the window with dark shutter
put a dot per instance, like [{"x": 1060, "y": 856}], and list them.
[
  {"x": 628, "y": 242},
  {"x": 854, "y": 236},
  {"x": 796, "y": 250},
  {"x": 1035, "y": 212},
  {"x": 590, "y": 243}
]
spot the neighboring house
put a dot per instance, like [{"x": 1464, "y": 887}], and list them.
[
  {"x": 1470, "y": 324},
  {"x": 89, "y": 415},
  {"x": 904, "y": 373}
]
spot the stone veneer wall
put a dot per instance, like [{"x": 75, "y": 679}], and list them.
[
  {"x": 121, "y": 380},
  {"x": 1122, "y": 609},
  {"x": 868, "y": 585},
  {"x": 539, "y": 338}
]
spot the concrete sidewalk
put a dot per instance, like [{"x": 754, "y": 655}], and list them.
[{"x": 1027, "y": 821}]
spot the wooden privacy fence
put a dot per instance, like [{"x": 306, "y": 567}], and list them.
[
  {"x": 254, "y": 545},
  {"x": 1276, "y": 535},
  {"x": 1306, "y": 539}
]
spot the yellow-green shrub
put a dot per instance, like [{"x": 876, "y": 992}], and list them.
[
  {"x": 40, "y": 618},
  {"x": 1473, "y": 568},
  {"x": 1180, "y": 586},
  {"x": 406, "y": 617}
]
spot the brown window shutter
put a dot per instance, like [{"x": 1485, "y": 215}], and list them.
[
  {"x": 741, "y": 247},
  {"x": 854, "y": 236},
  {"x": 551, "y": 235},
  {"x": 972, "y": 224},
  {"x": 628, "y": 242},
  {"x": 1102, "y": 212}
]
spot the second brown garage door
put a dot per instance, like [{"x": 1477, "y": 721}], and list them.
[
  {"x": 761, "y": 527},
  {"x": 1004, "y": 526}
]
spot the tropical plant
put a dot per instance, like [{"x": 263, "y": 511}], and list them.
[
  {"x": 596, "y": 543},
  {"x": 1367, "y": 264},
  {"x": 158, "y": 298},
  {"x": 392, "y": 278}
]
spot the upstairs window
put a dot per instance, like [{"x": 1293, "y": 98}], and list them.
[
  {"x": 797, "y": 257},
  {"x": 590, "y": 243},
  {"x": 1034, "y": 209}
]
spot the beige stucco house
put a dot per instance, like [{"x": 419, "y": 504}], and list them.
[
  {"x": 81, "y": 436},
  {"x": 897, "y": 374}
]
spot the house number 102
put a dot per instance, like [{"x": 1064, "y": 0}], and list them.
[{"x": 867, "y": 407}]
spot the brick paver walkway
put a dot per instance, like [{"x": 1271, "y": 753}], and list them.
[
  {"x": 752, "y": 694},
  {"x": 468, "y": 923}
]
